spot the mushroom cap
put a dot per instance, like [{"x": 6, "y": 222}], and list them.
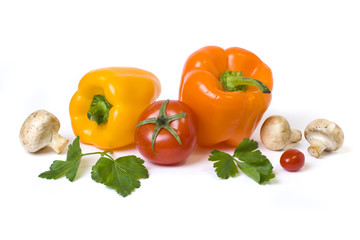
[
  {"x": 275, "y": 132},
  {"x": 37, "y": 130},
  {"x": 325, "y": 131}
]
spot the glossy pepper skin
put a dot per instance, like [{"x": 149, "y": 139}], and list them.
[
  {"x": 128, "y": 91},
  {"x": 224, "y": 117}
]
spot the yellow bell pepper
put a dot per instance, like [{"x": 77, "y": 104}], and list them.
[{"x": 105, "y": 109}]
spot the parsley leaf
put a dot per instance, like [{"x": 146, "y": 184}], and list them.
[
  {"x": 224, "y": 164},
  {"x": 247, "y": 158},
  {"x": 122, "y": 174},
  {"x": 69, "y": 167},
  {"x": 254, "y": 164},
  {"x": 246, "y": 145}
]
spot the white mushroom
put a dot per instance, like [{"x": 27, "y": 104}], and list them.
[
  {"x": 40, "y": 129},
  {"x": 323, "y": 135},
  {"x": 276, "y": 133}
]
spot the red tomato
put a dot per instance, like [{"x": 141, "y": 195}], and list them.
[
  {"x": 166, "y": 149},
  {"x": 292, "y": 160}
]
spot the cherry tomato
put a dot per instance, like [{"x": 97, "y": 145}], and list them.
[
  {"x": 166, "y": 132},
  {"x": 292, "y": 160}
]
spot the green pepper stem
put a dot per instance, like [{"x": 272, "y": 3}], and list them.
[
  {"x": 234, "y": 81},
  {"x": 163, "y": 122},
  {"x": 99, "y": 109}
]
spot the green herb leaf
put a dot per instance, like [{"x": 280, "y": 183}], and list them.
[
  {"x": 255, "y": 165},
  {"x": 246, "y": 145},
  {"x": 224, "y": 164},
  {"x": 122, "y": 174},
  {"x": 247, "y": 158},
  {"x": 74, "y": 150},
  {"x": 69, "y": 167},
  {"x": 260, "y": 173}
]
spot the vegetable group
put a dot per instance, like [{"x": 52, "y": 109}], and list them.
[
  {"x": 108, "y": 103},
  {"x": 228, "y": 90},
  {"x": 166, "y": 132},
  {"x": 222, "y": 97}
]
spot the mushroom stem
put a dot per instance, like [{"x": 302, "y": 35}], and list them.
[
  {"x": 58, "y": 142},
  {"x": 316, "y": 148},
  {"x": 295, "y": 136}
]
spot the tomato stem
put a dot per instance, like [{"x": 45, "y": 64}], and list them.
[{"x": 163, "y": 122}]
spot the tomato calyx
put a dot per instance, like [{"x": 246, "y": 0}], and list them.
[{"x": 163, "y": 122}]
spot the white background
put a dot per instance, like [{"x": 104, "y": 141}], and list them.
[{"x": 313, "y": 50}]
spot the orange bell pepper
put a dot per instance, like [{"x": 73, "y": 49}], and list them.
[{"x": 229, "y": 90}]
